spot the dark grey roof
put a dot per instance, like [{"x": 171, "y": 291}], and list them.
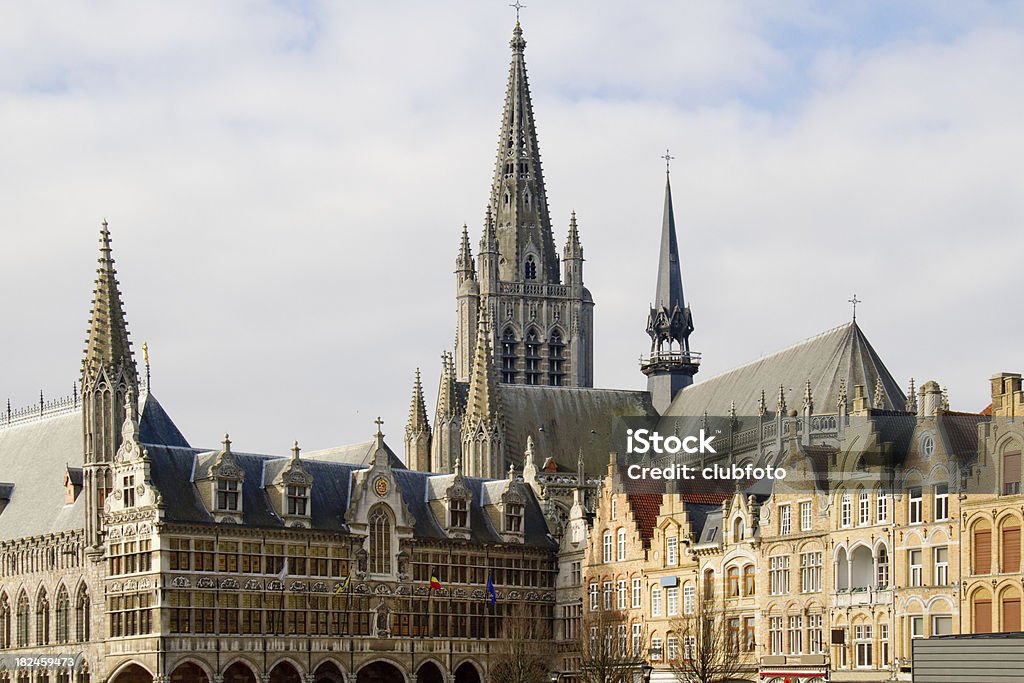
[
  {"x": 669, "y": 292},
  {"x": 35, "y": 457},
  {"x": 75, "y": 475},
  {"x": 711, "y": 529},
  {"x": 156, "y": 426},
  {"x": 842, "y": 353},
  {"x": 353, "y": 454},
  {"x": 571, "y": 418},
  {"x": 330, "y": 498}
]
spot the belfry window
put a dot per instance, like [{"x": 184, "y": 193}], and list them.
[
  {"x": 530, "y": 269},
  {"x": 556, "y": 349},
  {"x": 227, "y": 495},
  {"x": 508, "y": 356},
  {"x": 532, "y": 357},
  {"x": 380, "y": 541}
]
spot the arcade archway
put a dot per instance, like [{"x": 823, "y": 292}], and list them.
[
  {"x": 429, "y": 673},
  {"x": 284, "y": 672},
  {"x": 380, "y": 672},
  {"x": 328, "y": 672},
  {"x": 189, "y": 672},
  {"x": 467, "y": 673},
  {"x": 133, "y": 673},
  {"x": 239, "y": 673}
]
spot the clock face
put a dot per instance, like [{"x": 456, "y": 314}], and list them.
[{"x": 381, "y": 486}]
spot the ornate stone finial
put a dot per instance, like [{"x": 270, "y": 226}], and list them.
[
  {"x": 295, "y": 451},
  {"x": 911, "y": 405},
  {"x": 529, "y": 450},
  {"x": 808, "y": 396},
  {"x": 129, "y": 449},
  {"x": 511, "y": 472},
  {"x": 226, "y": 443},
  {"x": 762, "y": 405},
  {"x": 879, "y": 401},
  {"x": 780, "y": 404},
  {"x": 732, "y": 410},
  {"x": 458, "y": 467},
  {"x": 145, "y": 362},
  {"x": 945, "y": 399},
  {"x": 841, "y": 395}
]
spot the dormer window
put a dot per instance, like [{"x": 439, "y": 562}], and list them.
[
  {"x": 128, "y": 490},
  {"x": 514, "y": 518},
  {"x": 458, "y": 511},
  {"x": 227, "y": 495},
  {"x": 298, "y": 500}
]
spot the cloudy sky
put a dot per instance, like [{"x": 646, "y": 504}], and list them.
[{"x": 286, "y": 182}]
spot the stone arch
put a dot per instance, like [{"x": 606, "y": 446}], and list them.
[
  {"x": 285, "y": 671},
  {"x": 131, "y": 672},
  {"x": 328, "y": 671},
  {"x": 240, "y": 671},
  {"x": 381, "y": 671},
  {"x": 429, "y": 672},
  {"x": 468, "y": 672},
  {"x": 842, "y": 577},
  {"x": 189, "y": 671}
]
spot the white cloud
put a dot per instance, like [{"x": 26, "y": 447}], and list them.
[{"x": 286, "y": 190}]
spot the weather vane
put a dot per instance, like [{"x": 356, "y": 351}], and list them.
[
  {"x": 668, "y": 159},
  {"x": 518, "y": 5},
  {"x": 855, "y": 301}
]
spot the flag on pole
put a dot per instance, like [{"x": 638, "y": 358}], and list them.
[
  {"x": 492, "y": 596},
  {"x": 281, "y": 575},
  {"x": 435, "y": 583},
  {"x": 343, "y": 585}
]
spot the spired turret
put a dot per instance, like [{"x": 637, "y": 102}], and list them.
[
  {"x": 109, "y": 384},
  {"x": 671, "y": 364}
]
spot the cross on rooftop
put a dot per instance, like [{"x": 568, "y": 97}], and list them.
[
  {"x": 518, "y": 5},
  {"x": 668, "y": 159},
  {"x": 855, "y": 301}
]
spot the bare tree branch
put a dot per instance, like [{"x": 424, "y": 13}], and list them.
[{"x": 608, "y": 653}]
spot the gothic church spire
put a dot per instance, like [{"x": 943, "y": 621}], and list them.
[
  {"x": 107, "y": 344},
  {"x": 518, "y": 197}
]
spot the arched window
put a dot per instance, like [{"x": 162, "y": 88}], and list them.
[
  {"x": 23, "y": 618},
  {"x": 620, "y": 544},
  {"x": 508, "y": 356},
  {"x": 532, "y": 357},
  {"x": 530, "y": 268},
  {"x": 737, "y": 529},
  {"x": 982, "y": 610},
  {"x": 732, "y": 582},
  {"x": 748, "y": 579},
  {"x": 63, "y": 616},
  {"x": 556, "y": 351},
  {"x": 1009, "y": 551},
  {"x": 606, "y": 548},
  {"x": 380, "y": 540},
  {"x": 42, "y": 619},
  {"x": 82, "y": 615},
  {"x": 709, "y": 584},
  {"x": 5, "y": 622},
  {"x": 1010, "y": 610}
]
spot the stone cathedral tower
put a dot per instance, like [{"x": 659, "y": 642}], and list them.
[
  {"x": 109, "y": 385},
  {"x": 541, "y": 326}
]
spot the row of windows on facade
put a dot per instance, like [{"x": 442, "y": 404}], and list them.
[
  {"x": 43, "y": 676},
  {"x": 882, "y": 505},
  {"x": 297, "y": 505},
  {"x": 255, "y": 557},
  {"x": 532, "y": 369},
  {"x": 51, "y": 626},
  {"x": 338, "y": 615},
  {"x": 40, "y": 559}
]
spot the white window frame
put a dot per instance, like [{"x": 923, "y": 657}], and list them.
[
  {"x": 606, "y": 554},
  {"x": 656, "y": 602},
  {"x": 621, "y": 596},
  {"x": 915, "y": 507},
  {"x": 785, "y": 520},
  {"x": 941, "y": 567},
  {"x": 775, "y": 635},
  {"x": 863, "y": 646},
  {"x": 846, "y": 511},
  {"x": 814, "y": 634},
  {"x": 882, "y": 508},
  {"x": 620, "y": 544},
  {"x": 810, "y": 572},
  {"x": 672, "y": 601},
  {"x": 941, "y": 502},
  {"x": 796, "y": 628},
  {"x": 607, "y": 595},
  {"x": 689, "y": 598},
  {"x": 864, "y": 509},
  {"x": 637, "y": 593},
  {"x": 915, "y": 572},
  {"x": 806, "y": 516},
  {"x": 779, "y": 574},
  {"x": 672, "y": 551}
]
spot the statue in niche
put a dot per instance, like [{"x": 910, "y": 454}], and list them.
[{"x": 382, "y": 620}]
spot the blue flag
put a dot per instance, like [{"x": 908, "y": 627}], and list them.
[{"x": 491, "y": 595}]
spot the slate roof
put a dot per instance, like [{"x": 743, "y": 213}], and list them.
[
  {"x": 840, "y": 353},
  {"x": 156, "y": 426},
  {"x": 353, "y": 454},
  {"x": 961, "y": 432},
  {"x": 571, "y": 418}
]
